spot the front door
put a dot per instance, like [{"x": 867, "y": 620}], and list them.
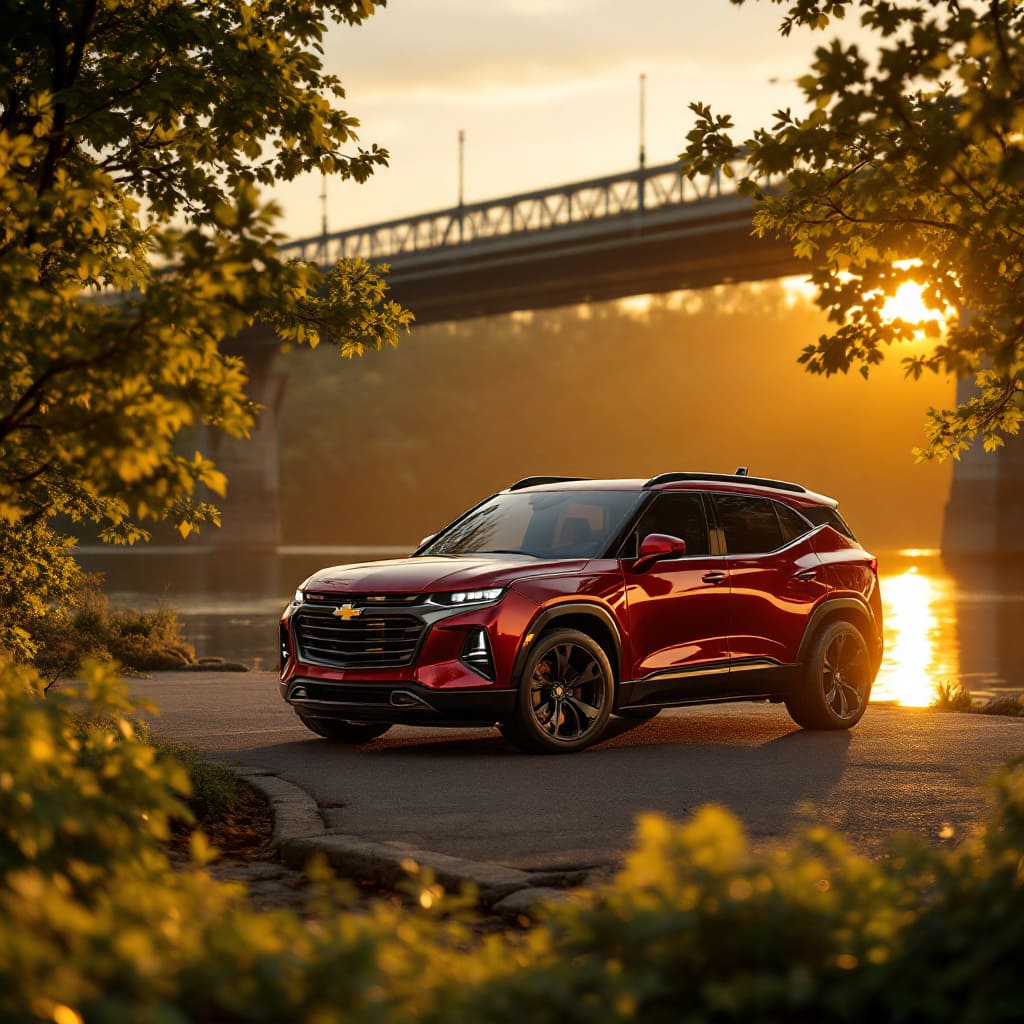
[{"x": 678, "y": 620}]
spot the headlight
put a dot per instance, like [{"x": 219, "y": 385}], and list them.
[
  {"x": 460, "y": 597},
  {"x": 299, "y": 597}
]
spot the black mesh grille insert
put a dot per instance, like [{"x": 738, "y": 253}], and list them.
[
  {"x": 368, "y": 640},
  {"x": 373, "y": 695}
]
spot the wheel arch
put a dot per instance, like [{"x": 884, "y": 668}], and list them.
[
  {"x": 851, "y": 610},
  {"x": 586, "y": 616}
]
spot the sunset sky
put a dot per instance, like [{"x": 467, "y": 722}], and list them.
[{"x": 546, "y": 90}]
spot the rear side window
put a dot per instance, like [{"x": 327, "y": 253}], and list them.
[
  {"x": 822, "y": 515},
  {"x": 678, "y": 515},
  {"x": 793, "y": 524},
  {"x": 749, "y": 523}
]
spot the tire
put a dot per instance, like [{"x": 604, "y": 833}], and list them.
[
  {"x": 565, "y": 696},
  {"x": 836, "y": 681},
  {"x": 338, "y": 730}
]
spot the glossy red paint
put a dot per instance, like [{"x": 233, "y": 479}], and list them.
[
  {"x": 679, "y": 614},
  {"x": 444, "y": 637},
  {"x": 771, "y": 598}
]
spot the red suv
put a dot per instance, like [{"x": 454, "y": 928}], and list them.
[{"x": 559, "y": 602}]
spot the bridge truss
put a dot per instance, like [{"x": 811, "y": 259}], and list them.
[{"x": 579, "y": 203}]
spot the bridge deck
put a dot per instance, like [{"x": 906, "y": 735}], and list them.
[{"x": 647, "y": 230}]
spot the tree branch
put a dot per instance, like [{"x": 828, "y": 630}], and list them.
[{"x": 64, "y": 75}]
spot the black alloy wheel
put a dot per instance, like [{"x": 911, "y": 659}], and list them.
[
  {"x": 339, "y": 730},
  {"x": 837, "y": 680},
  {"x": 565, "y": 696}
]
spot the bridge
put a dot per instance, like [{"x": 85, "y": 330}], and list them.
[
  {"x": 645, "y": 231},
  {"x": 649, "y": 230}
]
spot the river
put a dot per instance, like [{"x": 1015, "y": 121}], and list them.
[{"x": 960, "y": 625}]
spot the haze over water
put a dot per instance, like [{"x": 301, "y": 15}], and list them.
[
  {"x": 390, "y": 447},
  {"x": 941, "y": 626}
]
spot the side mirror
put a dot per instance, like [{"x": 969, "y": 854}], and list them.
[{"x": 657, "y": 547}]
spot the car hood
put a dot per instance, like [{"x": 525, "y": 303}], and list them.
[{"x": 432, "y": 573}]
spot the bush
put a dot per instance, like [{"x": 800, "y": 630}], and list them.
[
  {"x": 86, "y": 627},
  {"x": 95, "y": 925}
]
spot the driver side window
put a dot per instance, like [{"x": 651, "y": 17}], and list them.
[{"x": 678, "y": 515}]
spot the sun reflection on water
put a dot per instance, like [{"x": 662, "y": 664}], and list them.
[{"x": 916, "y": 659}]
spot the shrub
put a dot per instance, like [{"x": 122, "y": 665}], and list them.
[
  {"x": 95, "y": 922},
  {"x": 86, "y": 627},
  {"x": 95, "y": 925},
  {"x": 215, "y": 790}
]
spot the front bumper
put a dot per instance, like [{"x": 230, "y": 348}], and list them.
[
  {"x": 438, "y": 685},
  {"x": 400, "y": 702}
]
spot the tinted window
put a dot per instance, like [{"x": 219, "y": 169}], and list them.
[
  {"x": 750, "y": 524},
  {"x": 678, "y": 515},
  {"x": 546, "y": 524},
  {"x": 793, "y": 524},
  {"x": 822, "y": 515}
]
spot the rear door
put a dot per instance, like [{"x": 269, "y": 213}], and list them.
[{"x": 776, "y": 579}]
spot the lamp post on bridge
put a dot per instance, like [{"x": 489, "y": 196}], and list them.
[
  {"x": 643, "y": 148},
  {"x": 462, "y": 153}
]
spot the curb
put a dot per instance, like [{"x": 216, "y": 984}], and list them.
[
  {"x": 295, "y": 812},
  {"x": 299, "y": 835}
]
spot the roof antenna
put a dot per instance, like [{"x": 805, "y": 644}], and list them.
[{"x": 741, "y": 470}]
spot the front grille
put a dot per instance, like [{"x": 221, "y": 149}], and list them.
[{"x": 366, "y": 641}]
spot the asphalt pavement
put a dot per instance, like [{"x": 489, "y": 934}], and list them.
[{"x": 467, "y": 794}]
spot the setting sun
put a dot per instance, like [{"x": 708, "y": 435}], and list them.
[{"x": 908, "y": 304}]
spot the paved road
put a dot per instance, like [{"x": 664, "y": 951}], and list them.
[{"x": 468, "y": 793}]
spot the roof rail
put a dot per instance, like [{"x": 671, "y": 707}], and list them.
[
  {"x": 534, "y": 481},
  {"x": 738, "y": 478}
]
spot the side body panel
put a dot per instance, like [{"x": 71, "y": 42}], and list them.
[{"x": 773, "y": 596}]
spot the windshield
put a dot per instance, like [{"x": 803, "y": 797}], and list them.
[{"x": 545, "y": 524}]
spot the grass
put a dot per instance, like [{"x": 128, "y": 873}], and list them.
[
  {"x": 957, "y": 697},
  {"x": 232, "y": 815}
]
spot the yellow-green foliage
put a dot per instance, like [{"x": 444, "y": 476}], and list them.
[
  {"x": 903, "y": 164},
  {"x": 84, "y": 626},
  {"x": 134, "y": 137},
  {"x": 95, "y": 925},
  {"x": 95, "y": 922}
]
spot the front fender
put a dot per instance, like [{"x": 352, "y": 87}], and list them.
[{"x": 570, "y": 610}]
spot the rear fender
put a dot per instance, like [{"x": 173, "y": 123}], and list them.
[{"x": 852, "y": 610}]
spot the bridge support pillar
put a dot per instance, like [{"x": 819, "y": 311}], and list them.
[
  {"x": 244, "y": 547},
  {"x": 251, "y": 511},
  {"x": 985, "y": 512}
]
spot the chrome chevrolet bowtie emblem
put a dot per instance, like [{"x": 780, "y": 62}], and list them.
[{"x": 347, "y": 611}]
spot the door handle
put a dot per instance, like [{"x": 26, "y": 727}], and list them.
[
  {"x": 713, "y": 577},
  {"x": 805, "y": 575}
]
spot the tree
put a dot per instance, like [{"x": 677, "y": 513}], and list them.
[
  {"x": 909, "y": 166},
  {"x": 134, "y": 138}
]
